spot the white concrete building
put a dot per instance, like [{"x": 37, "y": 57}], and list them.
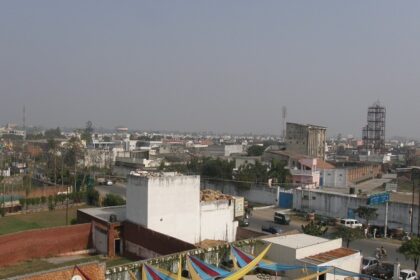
[
  {"x": 234, "y": 149},
  {"x": 335, "y": 178},
  {"x": 303, "y": 249},
  {"x": 171, "y": 204}
]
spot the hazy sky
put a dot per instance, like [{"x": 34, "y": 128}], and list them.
[{"x": 223, "y": 66}]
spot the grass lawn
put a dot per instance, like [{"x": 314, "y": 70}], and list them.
[
  {"x": 20, "y": 222},
  {"x": 36, "y": 265}
]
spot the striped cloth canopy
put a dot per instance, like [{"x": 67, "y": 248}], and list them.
[
  {"x": 205, "y": 271},
  {"x": 151, "y": 273}
]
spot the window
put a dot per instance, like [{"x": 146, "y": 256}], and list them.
[
  {"x": 306, "y": 197},
  {"x": 313, "y": 198}
]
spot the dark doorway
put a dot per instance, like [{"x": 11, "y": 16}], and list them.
[{"x": 117, "y": 247}]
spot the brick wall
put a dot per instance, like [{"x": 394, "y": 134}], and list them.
[
  {"x": 95, "y": 271},
  {"x": 21, "y": 246}
]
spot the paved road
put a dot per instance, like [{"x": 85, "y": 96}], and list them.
[
  {"x": 368, "y": 246},
  {"x": 365, "y": 246},
  {"x": 117, "y": 188}
]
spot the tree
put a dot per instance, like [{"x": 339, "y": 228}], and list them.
[
  {"x": 314, "y": 229},
  {"x": 253, "y": 173},
  {"x": 92, "y": 197},
  {"x": 217, "y": 168},
  {"x": 367, "y": 213},
  {"x": 349, "y": 234},
  {"x": 278, "y": 171},
  {"x": 255, "y": 150},
  {"x": 51, "y": 203},
  {"x": 87, "y": 133},
  {"x": 411, "y": 250},
  {"x": 53, "y": 133},
  {"x": 113, "y": 200}
]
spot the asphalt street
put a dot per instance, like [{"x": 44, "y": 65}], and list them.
[{"x": 366, "y": 246}]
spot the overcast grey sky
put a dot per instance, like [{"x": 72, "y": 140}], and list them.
[{"x": 225, "y": 66}]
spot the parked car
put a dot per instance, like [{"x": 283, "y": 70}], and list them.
[
  {"x": 281, "y": 218},
  {"x": 382, "y": 270},
  {"x": 369, "y": 262},
  {"x": 408, "y": 274},
  {"x": 270, "y": 228},
  {"x": 109, "y": 183},
  {"x": 244, "y": 222},
  {"x": 351, "y": 223},
  {"x": 324, "y": 221}
]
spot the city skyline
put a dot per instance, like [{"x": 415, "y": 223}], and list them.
[{"x": 210, "y": 67}]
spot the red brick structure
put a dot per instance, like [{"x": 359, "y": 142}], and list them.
[
  {"x": 92, "y": 271},
  {"x": 40, "y": 243}
]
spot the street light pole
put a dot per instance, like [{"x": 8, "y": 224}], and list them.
[{"x": 412, "y": 207}]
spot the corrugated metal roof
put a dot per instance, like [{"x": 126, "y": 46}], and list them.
[{"x": 330, "y": 255}]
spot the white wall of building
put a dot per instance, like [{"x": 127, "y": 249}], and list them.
[
  {"x": 167, "y": 204},
  {"x": 233, "y": 149},
  {"x": 217, "y": 220},
  {"x": 334, "y": 178},
  {"x": 349, "y": 263},
  {"x": 174, "y": 206},
  {"x": 339, "y": 205},
  {"x": 137, "y": 197},
  {"x": 171, "y": 205},
  {"x": 5, "y": 172},
  {"x": 314, "y": 249},
  {"x": 301, "y": 246}
]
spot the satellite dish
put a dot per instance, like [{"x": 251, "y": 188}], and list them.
[{"x": 77, "y": 277}]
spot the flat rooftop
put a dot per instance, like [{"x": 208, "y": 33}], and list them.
[
  {"x": 296, "y": 241},
  {"x": 104, "y": 213}
]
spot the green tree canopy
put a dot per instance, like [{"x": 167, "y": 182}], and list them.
[
  {"x": 74, "y": 152},
  {"x": 53, "y": 133},
  {"x": 411, "y": 250},
  {"x": 217, "y": 168},
  {"x": 92, "y": 197},
  {"x": 87, "y": 133},
  {"x": 255, "y": 150},
  {"x": 367, "y": 213},
  {"x": 278, "y": 171},
  {"x": 314, "y": 229},
  {"x": 253, "y": 173},
  {"x": 113, "y": 200},
  {"x": 349, "y": 234}
]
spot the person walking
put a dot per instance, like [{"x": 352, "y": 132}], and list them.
[
  {"x": 366, "y": 232},
  {"x": 374, "y": 233}
]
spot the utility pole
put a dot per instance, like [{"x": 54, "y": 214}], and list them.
[
  {"x": 412, "y": 206},
  {"x": 416, "y": 173}
]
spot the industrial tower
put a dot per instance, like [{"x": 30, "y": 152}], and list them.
[{"x": 374, "y": 131}]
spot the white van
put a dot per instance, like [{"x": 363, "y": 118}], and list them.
[{"x": 351, "y": 223}]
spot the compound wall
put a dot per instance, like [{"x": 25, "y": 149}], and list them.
[{"x": 41, "y": 243}]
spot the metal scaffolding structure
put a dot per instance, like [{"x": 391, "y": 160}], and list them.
[{"x": 374, "y": 131}]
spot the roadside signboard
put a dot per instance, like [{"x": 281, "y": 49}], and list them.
[{"x": 378, "y": 198}]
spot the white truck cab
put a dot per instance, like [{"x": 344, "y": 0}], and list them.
[{"x": 351, "y": 223}]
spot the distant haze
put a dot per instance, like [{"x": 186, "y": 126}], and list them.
[{"x": 223, "y": 66}]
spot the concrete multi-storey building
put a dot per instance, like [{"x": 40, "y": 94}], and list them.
[{"x": 306, "y": 139}]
